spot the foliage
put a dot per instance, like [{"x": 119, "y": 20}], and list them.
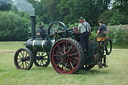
[
  {"x": 5, "y": 5},
  {"x": 93, "y": 35},
  {"x": 73, "y": 25},
  {"x": 119, "y": 36},
  {"x": 121, "y": 6},
  {"x": 119, "y": 12},
  {"x": 117, "y": 15},
  {"x": 69, "y": 11},
  {"x": 113, "y": 17},
  {"x": 13, "y": 27},
  {"x": 118, "y": 19},
  {"x": 105, "y": 16},
  {"x": 89, "y": 9}
]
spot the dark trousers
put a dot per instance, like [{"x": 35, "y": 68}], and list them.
[{"x": 84, "y": 40}]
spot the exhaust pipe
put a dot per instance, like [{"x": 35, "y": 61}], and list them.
[{"x": 33, "y": 26}]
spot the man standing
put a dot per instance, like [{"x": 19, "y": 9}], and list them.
[
  {"x": 85, "y": 30},
  {"x": 102, "y": 27}
]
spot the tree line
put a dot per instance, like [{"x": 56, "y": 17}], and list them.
[
  {"x": 15, "y": 25},
  {"x": 92, "y": 10}
]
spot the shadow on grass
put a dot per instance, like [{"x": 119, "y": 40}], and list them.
[
  {"x": 41, "y": 68},
  {"x": 92, "y": 72},
  {"x": 81, "y": 72}
]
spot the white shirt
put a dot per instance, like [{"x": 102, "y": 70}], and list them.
[{"x": 82, "y": 28}]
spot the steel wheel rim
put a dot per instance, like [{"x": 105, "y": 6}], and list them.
[
  {"x": 108, "y": 43},
  {"x": 22, "y": 60},
  {"x": 42, "y": 59},
  {"x": 57, "y": 30},
  {"x": 65, "y": 57}
]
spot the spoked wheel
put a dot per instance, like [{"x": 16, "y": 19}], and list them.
[
  {"x": 23, "y": 59},
  {"x": 67, "y": 56},
  {"x": 87, "y": 67},
  {"x": 41, "y": 59},
  {"x": 108, "y": 43},
  {"x": 57, "y": 30}
]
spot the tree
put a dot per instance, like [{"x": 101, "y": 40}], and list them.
[
  {"x": 5, "y": 5},
  {"x": 118, "y": 19},
  {"x": 121, "y": 6},
  {"x": 117, "y": 15},
  {"x": 89, "y": 9},
  {"x": 105, "y": 16},
  {"x": 13, "y": 27},
  {"x": 70, "y": 11}
]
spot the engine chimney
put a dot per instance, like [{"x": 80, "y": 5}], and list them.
[{"x": 33, "y": 25}]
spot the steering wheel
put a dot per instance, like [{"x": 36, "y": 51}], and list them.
[{"x": 57, "y": 30}]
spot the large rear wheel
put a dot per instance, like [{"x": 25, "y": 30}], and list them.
[{"x": 67, "y": 56}]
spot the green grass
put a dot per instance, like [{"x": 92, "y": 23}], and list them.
[
  {"x": 120, "y": 46},
  {"x": 115, "y": 74}
]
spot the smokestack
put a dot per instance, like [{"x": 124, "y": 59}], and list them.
[{"x": 33, "y": 25}]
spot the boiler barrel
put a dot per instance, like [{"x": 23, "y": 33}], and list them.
[{"x": 38, "y": 45}]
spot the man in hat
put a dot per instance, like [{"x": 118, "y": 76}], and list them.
[
  {"x": 85, "y": 31},
  {"x": 102, "y": 27}
]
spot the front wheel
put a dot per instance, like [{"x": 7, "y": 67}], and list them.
[
  {"x": 41, "y": 59},
  {"x": 23, "y": 59}
]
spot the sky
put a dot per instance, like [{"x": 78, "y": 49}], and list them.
[{"x": 111, "y": 4}]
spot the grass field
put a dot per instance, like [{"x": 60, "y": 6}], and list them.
[{"x": 115, "y": 74}]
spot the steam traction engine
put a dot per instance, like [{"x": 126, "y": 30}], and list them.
[{"x": 61, "y": 46}]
